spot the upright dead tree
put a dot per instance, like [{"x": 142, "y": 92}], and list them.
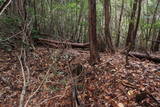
[
  {"x": 94, "y": 56},
  {"x": 107, "y": 27}
]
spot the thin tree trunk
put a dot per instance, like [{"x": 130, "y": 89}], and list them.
[
  {"x": 147, "y": 30},
  {"x": 153, "y": 20},
  {"x": 119, "y": 25},
  {"x": 107, "y": 27},
  {"x": 35, "y": 15},
  {"x": 154, "y": 37},
  {"x": 137, "y": 23},
  {"x": 115, "y": 19},
  {"x": 156, "y": 44},
  {"x": 78, "y": 27}
]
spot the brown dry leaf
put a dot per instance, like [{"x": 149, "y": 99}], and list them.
[
  {"x": 101, "y": 83},
  {"x": 120, "y": 105}
]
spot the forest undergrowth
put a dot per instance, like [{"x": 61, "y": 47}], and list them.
[{"x": 60, "y": 72}]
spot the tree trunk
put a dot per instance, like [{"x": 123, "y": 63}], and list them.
[
  {"x": 107, "y": 27},
  {"x": 137, "y": 23},
  {"x": 78, "y": 27},
  {"x": 153, "y": 21},
  {"x": 156, "y": 44},
  {"x": 94, "y": 57},
  {"x": 35, "y": 15},
  {"x": 129, "y": 40},
  {"x": 119, "y": 25}
]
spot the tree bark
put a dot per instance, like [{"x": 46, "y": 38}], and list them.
[
  {"x": 153, "y": 21},
  {"x": 119, "y": 25},
  {"x": 35, "y": 15},
  {"x": 137, "y": 23},
  {"x": 107, "y": 27},
  {"x": 129, "y": 40},
  {"x": 156, "y": 44},
  {"x": 94, "y": 56},
  {"x": 57, "y": 44}
]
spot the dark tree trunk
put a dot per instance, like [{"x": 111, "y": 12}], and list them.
[
  {"x": 137, "y": 23},
  {"x": 157, "y": 42},
  {"x": 107, "y": 27},
  {"x": 129, "y": 40},
  {"x": 119, "y": 25},
  {"x": 94, "y": 57},
  {"x": 35, "y": 15}
]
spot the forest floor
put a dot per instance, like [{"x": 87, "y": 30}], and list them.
[{"x": 59, "y": 72}]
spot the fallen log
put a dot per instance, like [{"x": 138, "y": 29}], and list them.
[
  {"x": 153, "y": 58},
  {"x": 59, "y": 43},
  {"x": 45, "y": 35},
  {"x": 49, "y": 44}
]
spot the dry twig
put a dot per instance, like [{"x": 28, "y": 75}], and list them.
[
  {"x": 4, "y": 6},
  {"x": 35, "y": 92},
  {"x": 24, "y": 84}
]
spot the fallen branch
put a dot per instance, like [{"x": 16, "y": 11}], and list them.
[
  {"x": 57, "y": 96},
  {"x": 45, "y": 34},
  {"x": 43, "y": 81},
  {"x": 24, "y": 84},
  {"x": 145, "y": 94},
  {"x": 58, "y": 43},
  {"x": 4, "y": 6},
  {"x": 155, "y": 59},
  {"x": 36, "y": 91},
  {"x": 50, "y": 44},
  {"x": 12, "y": 36}
]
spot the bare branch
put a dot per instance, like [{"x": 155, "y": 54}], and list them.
[
  {"x": 4, "y": 6},
  {"x": 11, "y": 36},
  {"x": 24, "y": 84},
  {"x": 35, "y": 92}
]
